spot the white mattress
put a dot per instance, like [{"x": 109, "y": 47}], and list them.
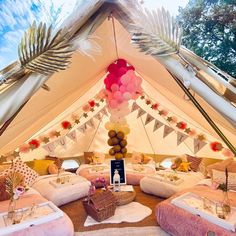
[
  {"x": 153, "y": 185},
  {"x": 77, "y": 189}
]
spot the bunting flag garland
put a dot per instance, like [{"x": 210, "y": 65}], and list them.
[
  {"x": 181, "y": 137},
  {"x": 134, "y": 107},
  {"x": 149, "y": 118},
  {"x": 167, "y": 131},
  {"x": 62, "y": 141},
  {"x": 198, "y": 145},
  {"x": 140, "y": 112},
  {"x": 157, "y": 125},
  {"x": 72, "y": 136},
  {"x": 49, "y": 147}
]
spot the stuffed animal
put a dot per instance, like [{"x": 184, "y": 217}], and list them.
[
  {"x": 184, "y": 167},
  {"x": 176, "y": 163}
]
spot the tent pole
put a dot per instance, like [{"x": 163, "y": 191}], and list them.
[{"x": 205, "y": 115}]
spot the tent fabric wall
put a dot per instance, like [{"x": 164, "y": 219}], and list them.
[{"x": 71, "y": 88}]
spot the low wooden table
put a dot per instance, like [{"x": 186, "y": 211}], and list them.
[{"x": 124, "y": 197}]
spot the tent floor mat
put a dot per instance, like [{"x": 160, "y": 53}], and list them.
[{"x": 77, "y": 214}]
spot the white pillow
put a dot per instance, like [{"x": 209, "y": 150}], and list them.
[
  {"x": 167, "y": 162},
  {"x": 219, "y": 177}
]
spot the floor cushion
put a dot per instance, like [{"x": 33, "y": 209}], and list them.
[
  {"x": 76, "y": 188},
  {"x": 163, "y": 188}
]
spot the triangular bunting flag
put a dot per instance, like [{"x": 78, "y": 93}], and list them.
[
  {"x": 135, "y": 106},
  {"x": 82, "y": 128},
  {"x": 149, "y": 118},
  {"x": 72, "y": 135},
  {"x": 98, "y": 116},
  {"x": 180, "y": 137},
  {"x": 91, "y": 123},
  {"x": 62, "y": 142},
  {"x": 104, "y": 111},
  {"x": 198, "y": 145},
  {"x": 157, "y": 125},
  {"x": 167, "y": 130},
  {"x": 140, "y": 112},
  {"x": 49, "y": 147}
]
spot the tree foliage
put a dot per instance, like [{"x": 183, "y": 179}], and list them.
[{"x": 210, "y": 31}]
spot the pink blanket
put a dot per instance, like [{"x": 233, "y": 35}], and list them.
[
  {"x": 59, "y": 227},
  {"x": 179, "y": 222}
]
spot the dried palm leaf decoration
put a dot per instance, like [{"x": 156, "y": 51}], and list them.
[
  {"x": 156, "y": 32},
  {"x": 41, "y": 52}
]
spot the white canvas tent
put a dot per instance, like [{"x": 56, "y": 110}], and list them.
[{"x": 71, "y": 88}]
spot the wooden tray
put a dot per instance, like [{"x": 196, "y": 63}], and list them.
[{"x": 44, "y": 212}]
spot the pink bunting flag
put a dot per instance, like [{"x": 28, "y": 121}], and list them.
[
  {"x": 98, "y": 116},
  {"x": 91, "y": 123},
  {"x": 140, "y": 112},
  {"x": 135, "y": 106},
  {"x": 49, "y": 147},
  {"x": 62, "y": 142},
  {"x": 149, "y": 118},
  {"x": 104, "y": 111},
  {"x": 82, "y": 128},
  {"x": 157, "y": 125},
  {"x": 167, "y": 131},
  {"x": 72, "y": 135},
  {"x": 198, "y": 145},
  {"x": 181, "y": 137}
]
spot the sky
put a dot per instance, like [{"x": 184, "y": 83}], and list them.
[{"x": 17, "y": 15}]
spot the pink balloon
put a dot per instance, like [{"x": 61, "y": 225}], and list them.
[
  {"x": 123, "y": 88},
  {"x": 122, "y": 71},
  {"x": 113, "y": 69},
  {"x": 114, "y": 87},
  {"x": 117, "y": 95},
  {"x": 113, "y": 104},
  {"x": 121, "y": 63},
  {"x": 125, "y": 79},
  {"x": 127, "y": 96},
  {"x": 130, "y": 88}
]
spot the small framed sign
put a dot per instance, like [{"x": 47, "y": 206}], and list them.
[{"x": 120, "y": 166}]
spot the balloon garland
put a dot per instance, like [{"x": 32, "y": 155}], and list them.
[{"x": 122, "y": 85}]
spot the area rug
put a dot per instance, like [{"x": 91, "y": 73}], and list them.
[
  {"x": 127, "y": 231},
  {"x": 132, "y": 212}
]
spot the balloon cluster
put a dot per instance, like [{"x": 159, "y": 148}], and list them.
[
  {"x": 122, "y": 85},
  {"x": 118, "y": 141}
]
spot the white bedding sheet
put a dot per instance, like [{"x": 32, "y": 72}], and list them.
[
  {"x": 77, "y": 189},
  {"x": 153, "y": 185}
]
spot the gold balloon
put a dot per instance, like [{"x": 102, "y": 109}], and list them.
[
  {"x": 120, "y": 135},
  {"x": 109, "y": 141},
  {"x": 124, "y": 150},
  {"x": 115, "y": 141},
  {"x": 112, "y": 133},
  {"x": 118, "y": 156},
  {"x": 123, "y": 143},
  {"x": 117, "y": 148},
  {"x": 112, "y": 152}
]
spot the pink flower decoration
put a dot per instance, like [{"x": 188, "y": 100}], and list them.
[
  {"x": 66, "y": 124},
  {"x": 226, "y": 152},
  {"x": 86, "y": 108},
  {"x": 34, "y": 143},
  {"x": 216, "y": 146},
  {"x": 25, "y": 148},
  {"x": 52, "y": 134},
  {"x": 174, "y": 120},
  {"x": 192, "y": 133}
]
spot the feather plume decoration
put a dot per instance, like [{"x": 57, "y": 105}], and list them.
[
  {"x": 155, "y": 32},
  {"x": 41, "y": 52}
]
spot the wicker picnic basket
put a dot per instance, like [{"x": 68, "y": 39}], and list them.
[{"x": 101, "y": 205}]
